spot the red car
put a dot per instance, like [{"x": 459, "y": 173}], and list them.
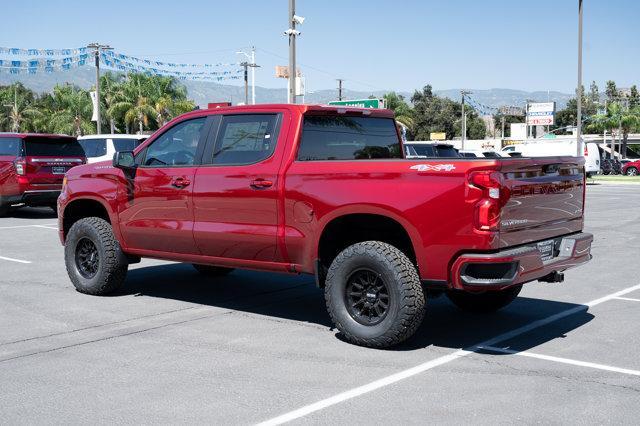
[
  {"x": 32, "y": 167},
  {"x": 632, "y": 168},
  {"x": 326, "y": 191}
]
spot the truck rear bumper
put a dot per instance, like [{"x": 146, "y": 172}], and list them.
[{"x": 494, "y": 271}]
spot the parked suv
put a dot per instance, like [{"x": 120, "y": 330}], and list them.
[
  {"x": 32, "y": 167},
  {"x": 102, "y": 147},
  {"x": 312, "y": 189}
]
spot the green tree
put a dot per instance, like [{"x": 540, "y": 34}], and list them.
[
  {"x": 402, "y": 110},
  {"x": 620, "y": 118},
  {"x": 612, "y": 91},
  {"x": 435, "y": 114},
  {"x": 594, "y": 93},
  {"x": 21, "y": 115},
  {"x": 72, "y": 111},
  {"x": 634, "y": 97}
]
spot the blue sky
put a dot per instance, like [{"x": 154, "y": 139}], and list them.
[{"x": 373, "y": 44}]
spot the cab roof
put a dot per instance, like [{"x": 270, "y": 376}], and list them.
[{"x": 299, "y": 108}]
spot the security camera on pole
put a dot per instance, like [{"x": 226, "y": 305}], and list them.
[{"x": 293, "y": 33}]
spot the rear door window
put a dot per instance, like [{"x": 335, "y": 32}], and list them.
[
  {"x": 94, "y": 148},
  {"x": 53, "y": 147},
  {"x": 11, "y": 147},
  {"x": 245, "y": 139},
  {"x": 340, "y": 137}
]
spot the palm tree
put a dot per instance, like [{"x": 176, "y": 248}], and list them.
[
  {"x": 620, "y": 119},
  {"x": 72, "y": 113},
  {"x": 21, "y": 112},
  {"x": 140, "y": 112}
]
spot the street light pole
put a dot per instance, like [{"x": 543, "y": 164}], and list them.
[
  {"x": 292, "y": 52},
  {"x": 464, "y": 120},
  {"x": 579, "y": 91},
  {"x": 98, "y": 48},
  {"x": 253, "y": 75}
]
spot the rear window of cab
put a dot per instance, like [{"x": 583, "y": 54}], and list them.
[{"x": 342, "y": 137}]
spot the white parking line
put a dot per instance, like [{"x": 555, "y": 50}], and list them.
[
  {"x": 46, "y": 227},
  {"x": 628, "y": 298},
  {"x": 563, "y": 360},
  {"x": 10, "y": 259},
  {"x": 385, "y": 381},
  {"x": 29, "y": 226}
]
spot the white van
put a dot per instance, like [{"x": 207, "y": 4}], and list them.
[
  {"x": 551, "y": 148},
  {"x": 102, "y": 147}
]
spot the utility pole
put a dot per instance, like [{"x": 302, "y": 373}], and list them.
[
  {"x": 464, "y": 119},
  {"x": 245, "y": 64},
  {"x": 579, "y": 91},
  {"x": 253, "y": 67},
  {"x": 340, "y": 80},
  {"x": 293, "y": 33},
  {"x": 97, "y": 49}
]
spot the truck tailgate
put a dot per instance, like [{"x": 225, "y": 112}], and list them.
[{"x": 546, "y": 198}]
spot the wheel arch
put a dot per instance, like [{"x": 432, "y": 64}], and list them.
[
  {"x": 87, "y": 206},
  {"x": 357, "y": 224}
]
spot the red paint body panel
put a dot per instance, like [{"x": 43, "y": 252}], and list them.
[
  {"x": 38, "y": 184},
  {"x": 225, "y": 219},
  {"x": 635, "y": 164}
]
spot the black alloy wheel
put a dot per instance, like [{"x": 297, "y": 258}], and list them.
[
  {"x": 87, "y": 258},
  {"x": 367, "y": 297}
]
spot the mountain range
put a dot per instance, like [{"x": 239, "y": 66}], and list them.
[{"x": 204, "y": 92}]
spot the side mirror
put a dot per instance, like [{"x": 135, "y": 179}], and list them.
[{"x": 124, "y": 160}]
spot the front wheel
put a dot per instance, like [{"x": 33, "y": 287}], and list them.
[
  {"x": 489, "y": 301},
  {"x": 632, "y": 171},
  {"x": 374, "y": 295},
  {"x": 93, "y": 257}
]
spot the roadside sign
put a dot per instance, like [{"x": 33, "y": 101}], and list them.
[
  {"x": 361, "y": 103},
  {"x": 541, "y": 113},
  {"x": 437, "y": 136}
]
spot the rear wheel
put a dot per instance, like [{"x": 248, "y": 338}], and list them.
[
  {"x": 632, "y": 171},
  {"x": 489, "y": 301},
  {"x": 212, "y": 271},
  {"x": 374, "y": 295},
  {"x": 95, "y": 262}
]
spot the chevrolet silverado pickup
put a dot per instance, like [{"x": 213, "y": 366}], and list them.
[{"x": 325, "y": 190}]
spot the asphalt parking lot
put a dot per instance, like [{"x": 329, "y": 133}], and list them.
[{"x": 174, "y": 347}]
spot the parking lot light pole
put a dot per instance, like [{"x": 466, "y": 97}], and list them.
[
  {"x": 579, "y": 91},
  {"x": 97, "y": 49}
]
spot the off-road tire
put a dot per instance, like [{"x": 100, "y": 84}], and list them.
[
  {"x": 486, "y": 302},
  {"x": 112, "y": 262},
  {"x": 631, "y": 171},
  {"x": 406, "y": 303},
  {"x": 212, "y": 271}
]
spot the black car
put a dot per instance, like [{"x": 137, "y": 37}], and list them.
[{"x": 606, "y": 166}]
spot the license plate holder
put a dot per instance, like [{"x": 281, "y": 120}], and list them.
[
  {"x": 546, "y": 249},
  {"x": 58, "y": 170}
]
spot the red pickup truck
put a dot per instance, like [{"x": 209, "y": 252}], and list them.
[{"x": 325, "y": 190}]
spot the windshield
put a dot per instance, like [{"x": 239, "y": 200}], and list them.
[
  {"x": 53, "y": 147},
  {"x": 431, "y": 151},
  {"x": 10, "y": 146},
  {"x": 126, "y": 144},
  {"x": 94, "y": 147}
]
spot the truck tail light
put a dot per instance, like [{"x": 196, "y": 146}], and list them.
[
  {"x": 21, "y": 166},
  {"x": 586, "y": 151},
  {"x": 494, "y": 196}
]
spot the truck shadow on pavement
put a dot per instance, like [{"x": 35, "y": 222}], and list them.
[
  {"x": 296, "y": 299},
  {"x": 32, "y": 213}
]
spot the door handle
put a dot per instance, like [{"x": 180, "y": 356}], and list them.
[
  {"x": 180, "y": 182},
  {"x": 261, "y": 184}
]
